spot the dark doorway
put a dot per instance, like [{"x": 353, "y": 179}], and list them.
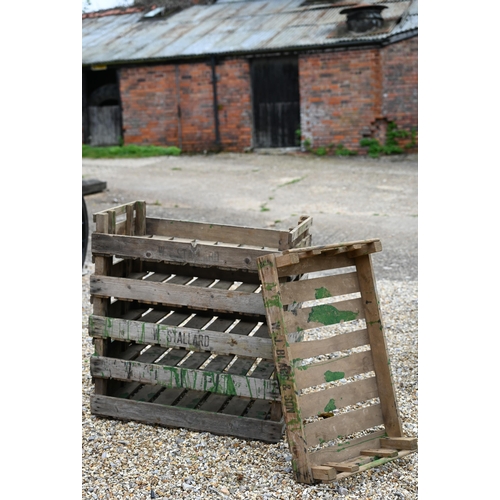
[
  {"x": 276, "y": 101},
  {"x": 102, "y": 122}
]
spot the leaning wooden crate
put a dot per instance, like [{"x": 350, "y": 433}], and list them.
[
  {"x": 179, "y": 324},
  {"x": 337, "y": 395}
]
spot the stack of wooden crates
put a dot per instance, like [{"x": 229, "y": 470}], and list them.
[{"x": 179, "y": 324}]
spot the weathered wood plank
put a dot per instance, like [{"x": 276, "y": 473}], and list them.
[
  {"x": 400, "y": 443},
  {"x": 373, "y": 463},
  {"x": 189, "y": 252},
  {"x": 323, "y": 473},
  {"x": 190, "y": 338},
  {"x": 379, "y": 452},
  {"x": 223, "y": 233},
  {"x": 327, "y": 429},
  {"x": 335, "y": 398},
  {"x": 297, "y": 234},
  {"x": 304, "y": 349},
  {"x": 333, "y": 369},
  {"x": 177, "y": 295},
  {"x": 324, "y": 315},
  {"x": 284, "y": 368},
  {"x": 196, "y": 420},
  {"x": 246, "y": 276},
  {"x": 304, "y": 290},
  {"x": 381, "y": 360},
  {"x": 346, "y": 451},
  {"x": 309, "y": 266},
  {"x": 172, "y": 376}
]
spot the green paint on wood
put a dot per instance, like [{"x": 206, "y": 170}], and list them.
[
  {"x": 264, "y": 263},
  {"x": 332, "y": 376},
  {"x": 330, "y": 406},
  {"x": 269, "y": 286},
  {"x": 330, "y": 315},
  {"x": 274, "y": 301},
  {"x": 322, "y": 293}
]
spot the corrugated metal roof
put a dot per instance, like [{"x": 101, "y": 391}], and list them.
[{"x": 232, "y": 26}]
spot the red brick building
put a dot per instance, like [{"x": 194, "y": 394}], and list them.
[{"x": 250, "y": 74}]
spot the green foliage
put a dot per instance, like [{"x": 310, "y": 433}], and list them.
[
  {"x": 340, "y": 150},
  {"x": 298, "y": 136},
  {"x": 129, "y": 151},
  {"x": 391, "y": 146},
  {"x": 321, "y": 151}
]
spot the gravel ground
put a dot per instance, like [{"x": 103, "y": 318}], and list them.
[{"x": 128, "y": 460}]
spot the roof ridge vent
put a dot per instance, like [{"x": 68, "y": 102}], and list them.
[{"x": 363, "y": 18}]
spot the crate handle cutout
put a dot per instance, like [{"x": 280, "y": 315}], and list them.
[{"x": 331, "y": 360}]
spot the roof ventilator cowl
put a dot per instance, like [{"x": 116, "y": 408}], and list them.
[{"x": 364, "y": 18}]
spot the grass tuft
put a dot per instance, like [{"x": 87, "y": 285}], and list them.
[{"x": 128, "y": 151}]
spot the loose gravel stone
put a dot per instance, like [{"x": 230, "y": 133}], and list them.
[{"x": 129, "y": 460}]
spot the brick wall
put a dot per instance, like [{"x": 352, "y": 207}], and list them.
[
  {"x": 148, "y": 99},
  {"x": 345, "y": 95},
  {"x": 338, "y": 95},
  {"x": 400, "y": 82},
  {"x": 173, "y": 105}
]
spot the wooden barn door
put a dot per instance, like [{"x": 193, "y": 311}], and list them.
[
  {"x": 104, "y": 115},
  {"x": 276, "y": 102},
  {"x": 105, "y": 125}
]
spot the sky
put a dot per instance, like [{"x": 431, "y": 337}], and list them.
[{"x": 92, "y": 5}]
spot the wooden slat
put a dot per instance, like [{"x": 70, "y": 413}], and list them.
[
  {"x": 400, "y": 443},
  {"x": 323, "y": 473},
  {"x": 379, "y": 452},
  {"x": 298, "y": 233},
  {"x": 221, "y": 255},
  {"x": 176, "y": 295},
  {"x": 335, "y": 398},
  {"x": 333, "y": 369},
  {"x": 147, "y": 392},
  {"x": 196, "y": 420},
  {"x": 346, "y": 451},
  {"x": 373, "y": 463},
  {"x": 183, "y": 269},
  {"x": 269, "y": 238},
  {"x": 343, "y": 466},
  {"x": 172, "y": 376},
  {"x": 309, "y": 266},
  {"x": 381, "y": 361},
  {"x": 236, "y": 406},
  {"x": 284, "y": 369},
  {"x": 323, "y": 315},
  {"x": 189, "y": 338},
  {"x": 304, "y": 290},
  {"x": 310, "y": 348},
  {"x": 341, "y": 425},
  {"x": 101, "y": 305},
  {"x": 118, "y": 210}
]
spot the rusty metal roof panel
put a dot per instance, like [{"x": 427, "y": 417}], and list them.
[{"x": 227, "y": 26}]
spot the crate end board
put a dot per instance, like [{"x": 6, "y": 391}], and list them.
[{"x": 295, "y": 308}]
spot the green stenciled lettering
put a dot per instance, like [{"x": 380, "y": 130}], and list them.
[{"x": 332, "y": 376}]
